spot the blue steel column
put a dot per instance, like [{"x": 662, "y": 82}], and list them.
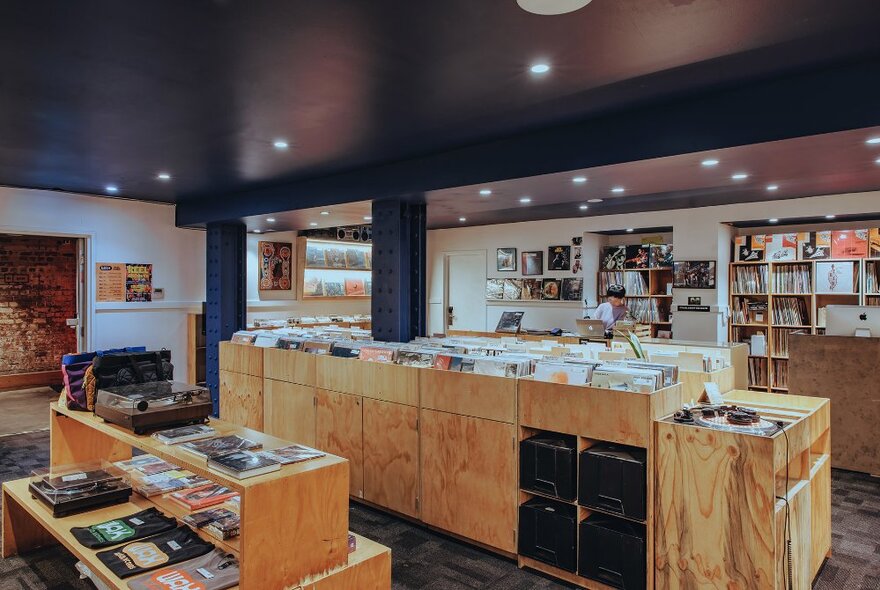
[
  {"x": 398, "y": 303},
  {"x": 226, "y": 295}
]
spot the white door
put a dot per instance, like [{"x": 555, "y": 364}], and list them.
[{"x": 465, "y": 301}]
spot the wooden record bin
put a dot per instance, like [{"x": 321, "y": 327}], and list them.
[
  {"x": 595, "y": 416},
  {"x": 241, "y": 384},
  {"x": 721, "y": 499},
  {"x": 294, "y": 522}
]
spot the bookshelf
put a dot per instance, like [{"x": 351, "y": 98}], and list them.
[
  {"x": 777, "y": 299},
  {"x": 332, "y": 270},
  {"x": 871, "y": 273},
  {"x": 648, "y": 297}
]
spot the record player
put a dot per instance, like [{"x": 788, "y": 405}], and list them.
[
  {"x": 729, "y": 418},
  {"x": 159, "y": 404},
  {"x": 70, "y": 489}
]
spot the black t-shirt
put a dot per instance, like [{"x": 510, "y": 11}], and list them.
[
  {"x": 124, "y": 530},
  {"x": 153, "y": 552}
]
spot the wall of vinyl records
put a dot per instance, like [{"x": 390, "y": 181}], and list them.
[{"x": 531, "y": 285}]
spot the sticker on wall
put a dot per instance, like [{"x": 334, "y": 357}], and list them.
[{"x": 275, "y": 270}]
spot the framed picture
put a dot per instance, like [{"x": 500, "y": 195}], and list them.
[
  {"x": 275, "y": 272},
  {"x": 532, "y": 289},
  {"x": 694, "y": 274},
  {"x": 532, "y": 263},
  {"x": 613, "y": 258},
  {"x": 509, "y": 322},
  {"x": 513, "y": 289},
  {"x": 551, "y": 289},
  {"x": 506, "y": 259},
  {"x": 572, "y": 289},
  {"x": 559, "y": 258}
]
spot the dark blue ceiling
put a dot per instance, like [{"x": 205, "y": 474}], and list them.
[{"x": 98, "y": 92}]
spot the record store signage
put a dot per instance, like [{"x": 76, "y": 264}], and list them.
[{"x": 693, "y": 308}]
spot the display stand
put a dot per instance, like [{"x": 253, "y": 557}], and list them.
[{"x": 294, "y": 522}]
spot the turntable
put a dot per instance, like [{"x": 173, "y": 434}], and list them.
[
  {"x": 727, "y": 418},
  {"x": 70, "y": 489},
  {"x": 160, "y": 404}
]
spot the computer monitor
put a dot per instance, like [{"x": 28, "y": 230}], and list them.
[
  {"x": 591, "y": 328},
  {"x": 852, "y": 320}
]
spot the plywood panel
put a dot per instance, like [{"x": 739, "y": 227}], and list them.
[
  {"x": 289, "y": 411},
  {"x": 392, "y": 383},
  {"x": 469, "y": 477},
  {"x": 241, "y": 358},
  {"x": 339, "y": 430},
  {"x": 369, "y": 568},
  {"x": 799, "y": 506},
  {"x": 241, "y": 399},
  {"x": 292, "y": 366},
  {"x": 692, "y": 382},
  {"x": 339, "y": 374},
  {"x": 480, "y": 396},
  {"x": 71, "y": 441},
  {"x": 820, "y": 514},
  {"x": 391, "y": 456}
]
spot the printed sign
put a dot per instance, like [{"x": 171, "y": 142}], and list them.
[{"x": 110, "y": 281}]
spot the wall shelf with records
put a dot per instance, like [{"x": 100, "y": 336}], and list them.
[
  {"x": 648, "y": 294},
  {"x": 332, "y": 270},
  {"x": 544, "y": 290}
]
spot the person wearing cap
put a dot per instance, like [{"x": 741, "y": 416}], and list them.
[{"x": 613, "y": 309}]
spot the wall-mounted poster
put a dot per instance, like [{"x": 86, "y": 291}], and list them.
[
  {"x": 275, "y": 266},
  {"x": 690, "y": 274},
  {"x": 138, "y": 282},
  {"x": 532, "y": 263},
  {"x": 572, "y": 289},
  {"x": 506, "y": 259},
  {"x": 613, "y": 258},
  {"x": 835, "y": 277},
  {"x": 636, "y": 256},
  {"x": 559, "y": 258},
  {"x": 110, "y": 281},
  {"x": 551, "y": 289}
]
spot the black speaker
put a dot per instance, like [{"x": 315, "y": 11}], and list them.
[
  {"x": 366, "y": 233},
  {"x": 548, "y": 464},
  {"x": 612, "y": 478},
  {"x": 548, "y": 532},
  {"x": 612, "y": 551}
]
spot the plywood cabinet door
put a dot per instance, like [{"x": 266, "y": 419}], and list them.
[
  {"x": 469, "y": 477},
  {"x": 340, "y": 431},
  {"x": 241, "y": 399},
  {"x": 289, "y": 411},
  {"x": 391, "y": 455}
]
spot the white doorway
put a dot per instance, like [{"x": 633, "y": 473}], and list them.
[{"x": 464, "y": 300}]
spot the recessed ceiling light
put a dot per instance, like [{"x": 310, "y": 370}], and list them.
[
  {"x": 618, "y": 189},
  {"x": 709, "y": 163},
  {"x": 594, "y": 200},
  {"x": 485, "y": 192},
  {"x": 526, "y": 200},
  {"x": 367, "y": 218},
  {"x": 270, "y": 219},
  {"x": 877, "y": 161},
  {"x": 163, "y": 176},
  {"x": 773, "y": 220},
  {"x": 280, "y": 144},
  {"x": 629, "y": 230},
  {"x": 873, "y": 141},
  {"x": 111, "y": 188},
  {"x": 772, "y": 187},
  {"x": 739, "y": 176},
  {"x": 313, "y": 224},
  {"x": 462, "y": 218},
  {"x": 579, "y": 179},
  {"x": 583, "y": 207},
  {"x": 830, "y": 216},
  {"x": 256, "y": 231},
  {"x": 325, "y": 213},
  {"x": 540, "y": 68},
  {"x": 551, "y": 7}
]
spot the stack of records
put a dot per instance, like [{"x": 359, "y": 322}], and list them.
[{"x": 220, "y": 523}]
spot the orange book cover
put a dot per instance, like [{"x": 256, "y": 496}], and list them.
[
  {"x": 441, "y": 361},
  {"x": 376, "y": 354},
  {"x": 203, "y": 496},
  {"x": 849, "y": 243}
]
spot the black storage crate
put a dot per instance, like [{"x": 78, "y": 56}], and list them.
[
  {"x": 612, "y": 551},
  {"x": 548, "y": 464},
  {"x": 548, "y": 532},
  {"x": 612, "y": 478}
]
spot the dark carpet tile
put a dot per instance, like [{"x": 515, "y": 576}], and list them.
[{"x": 425, "y": 560}]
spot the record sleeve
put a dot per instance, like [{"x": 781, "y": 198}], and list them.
[
  {"x": 513, "y": 289},
  {"x": 494, "y": 288},
  {"x": 550, "y": 289},
  {"x": 292, "y": 454},
  {"x": 220, "y": 445},
  {"x": 203, "y": 497},
  {"x": 613, "y": 257},
  {"x": 660, "y": 256},
  {"x": 636, "y": 256},
  {"x": 242, "y": 464},
  {"x": 572, "y": 289}
]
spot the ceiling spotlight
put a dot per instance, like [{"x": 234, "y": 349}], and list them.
[
  {"x": 526, "y": 200},
  {"x": 629, "y": 230},
  {"x": 583, "y": 207},
  {"x": 280, "y": 144},
  {"x": 367, "y": 218},
  {"x": 462, "y": 218},
  {"x": 313, "y": 224},
  {"x": 877, "y": 161},
  {"x": 739, "y": 176},
  {"x": 325, "y": 213},
  {"x": 540, "y": 68},
  {"x": 618, "y": 189},
  {"x": 111, "y": 188},
  {"x": 709, "y": 163},
  {"x": 163, "y": 176},
  {"x": 256, "y": 231},
  {"x": 873, "y": 141},
  {"x": 594, "y": 200},
  {"x": 270, "y": 219},
  {"x": 485, "y": 192},
  {"x": 551, "y": 7},
  {"x": 830, "y": 216},
  {"x": 579, "y": 179},
  {"x": 773, "y": 220},
  {"x": 772, "y": 187}
]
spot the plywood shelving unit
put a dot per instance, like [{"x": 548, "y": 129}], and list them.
[{"x": 652, "y": 289}]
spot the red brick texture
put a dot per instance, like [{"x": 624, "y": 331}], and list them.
[{"x": 37, "y": 293}]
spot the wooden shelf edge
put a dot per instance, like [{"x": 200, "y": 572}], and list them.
[{"x": 571, "y": 578}]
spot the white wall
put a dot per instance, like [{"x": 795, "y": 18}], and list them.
[
  {"x": 122, "y": 231},
  {"x": 698, "y": 234}
]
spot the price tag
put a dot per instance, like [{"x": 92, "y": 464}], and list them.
[{"x": 205, "y": 573}]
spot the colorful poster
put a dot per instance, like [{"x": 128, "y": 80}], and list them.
[
  {"x": 109, "y": 281},
  {"x": 275, "y": 266},
  {"x": 138, "y": 282}
]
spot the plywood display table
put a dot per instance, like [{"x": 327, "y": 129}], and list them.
[{"x": 294, "y": 522}]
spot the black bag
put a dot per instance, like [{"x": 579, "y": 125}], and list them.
[{"x": 125, "y": 368}]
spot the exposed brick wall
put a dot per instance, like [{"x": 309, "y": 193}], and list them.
[{"x": 37, "y": 293}]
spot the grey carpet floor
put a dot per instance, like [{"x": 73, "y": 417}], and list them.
[
  {"x": 24, "y": 410},
  {"x": 425, "y": 560}
]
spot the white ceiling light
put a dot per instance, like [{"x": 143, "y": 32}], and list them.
[
  {"x": 579, "y": 179},
  {"x": 163, "y": 176},
  {"x": 739, "y": 176},
  {"x": 526, "y": 200},
  {"x": 325, "y": 213},
  {"x": 270, "y": 219},
  {"x": 594, "y": 200},
  {"x": 280, "y": 144},
  {"x": 772, "y": 187},
  {"x": 313, "y": 224},
  {"x": 773, "y": 220},
  {"x": 485, "y": 192},
  {"x": 830, "y": 216},
  {"x": 873, "y": 141},
  {"x": 877, "y": 161},
  {"x": 111, "y": 188},
  {"x": 618, "y": 189},
  {"x": 462, "y": 218},
  {"x": 583, "y": 207},
  {"x": 709, "y": 163},
  {"x": 629, "y": 230},
  {"x": 256, "y": 231},
  {"x": 367, "y": 218},
  {"x": 540, "y": 68},
  {"x": 551, "y": 7}
]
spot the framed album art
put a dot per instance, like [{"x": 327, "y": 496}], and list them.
[
  {"x": 506, "y": 259},
  {"x": 532, "y": 263},
  {"x": 275, "y": 266},
  {"x": 559, "y": 258},
  {"x": 691, "y": 274}
]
